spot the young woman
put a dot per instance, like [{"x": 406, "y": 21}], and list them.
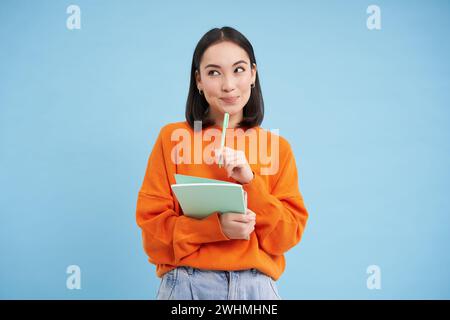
[{"x": 225, "y": 255}]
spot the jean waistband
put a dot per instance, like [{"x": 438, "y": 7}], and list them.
[{"x": 192, "y": 270}]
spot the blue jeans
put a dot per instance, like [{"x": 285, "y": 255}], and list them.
[{"x": 186, "y": 283}]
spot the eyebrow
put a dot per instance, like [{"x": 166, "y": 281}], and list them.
[{"x": 217, "y": 66}]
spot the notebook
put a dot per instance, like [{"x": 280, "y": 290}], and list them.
[{"x": 200, "y": 197}]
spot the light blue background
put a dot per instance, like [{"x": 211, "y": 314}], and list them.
[{"x": 366, "y": 112}]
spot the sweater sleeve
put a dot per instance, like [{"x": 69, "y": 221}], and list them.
[
  {"x": 169, "y": 236},
  {"x": 280, "y": 213}
]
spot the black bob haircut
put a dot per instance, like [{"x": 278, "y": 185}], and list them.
[{"x": 197, "y": 108}]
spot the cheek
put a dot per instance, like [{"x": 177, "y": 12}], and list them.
[
  {"x": 212, "y": 88},
  {"x": 244, "y": 85}
]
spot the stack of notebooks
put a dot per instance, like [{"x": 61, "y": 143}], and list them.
[{"x": 200, "y": 197}]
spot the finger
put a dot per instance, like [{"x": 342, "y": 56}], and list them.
[
  {"x": 251, "y": 216},
  {"x": 237, "y": 158},
  {"x": 224, "y": 158},
  {"x": 239, "y": 217},
  {"x": 224, "y": 150},
  {"x": 217, "y": 155},
  {"x": 220, "y": 153},
  {"x": 229, "y": 157},
  {"x": 250, "y": 213},
  {"x": 228, "y": 150},
  {"x": 230, "y": 164},
  {"x": 230, "y": 167},
  {"x": 251, "y": 219},
  {"x": 241, "y": 158},
  {"x": 234, "y": 162},
  {"x": 250, "y": 229},
  {"x": 229, "y": 171}
]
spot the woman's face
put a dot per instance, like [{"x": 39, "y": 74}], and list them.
[{"x": 225, "y": 77}]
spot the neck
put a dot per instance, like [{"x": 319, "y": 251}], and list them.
[{"x": 233, "y": 120}]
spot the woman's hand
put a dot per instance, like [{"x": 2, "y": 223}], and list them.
[
  {"x": 235, "y": 163},
  {"x": 238, "y": 225}
]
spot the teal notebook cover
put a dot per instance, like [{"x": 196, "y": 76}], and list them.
[
  {"x": 181, "y": 178},
  {"x": 200, "y": 197}
]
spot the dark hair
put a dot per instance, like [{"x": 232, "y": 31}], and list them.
[{"x": 197, "y": 108}]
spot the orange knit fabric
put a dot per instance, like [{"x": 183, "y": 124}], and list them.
[{"x": 171, "y": 239}]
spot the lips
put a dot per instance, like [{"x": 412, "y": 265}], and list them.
[{"x": 229, "y": 100}]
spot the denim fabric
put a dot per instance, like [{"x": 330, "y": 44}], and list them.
[{"x": 186, "y": 283}]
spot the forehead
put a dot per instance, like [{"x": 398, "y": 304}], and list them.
[{"x": 224, "y": 54}]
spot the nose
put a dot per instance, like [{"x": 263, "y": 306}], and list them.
[{"x": 228, "y": 84}]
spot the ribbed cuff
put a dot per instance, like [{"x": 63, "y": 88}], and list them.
[{"x": 202, "y": 230}]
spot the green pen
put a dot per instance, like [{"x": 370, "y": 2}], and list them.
[{"x": 224, "y": 132}]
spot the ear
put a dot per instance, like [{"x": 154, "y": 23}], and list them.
[{"x": 254, "y": 72}]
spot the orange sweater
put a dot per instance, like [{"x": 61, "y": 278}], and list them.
[{"x": 171, "y": 239}]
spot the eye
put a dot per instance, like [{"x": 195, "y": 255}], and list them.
[
  {"x": 211, "y": 73},
  {"x": 240, "y": 68}
]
